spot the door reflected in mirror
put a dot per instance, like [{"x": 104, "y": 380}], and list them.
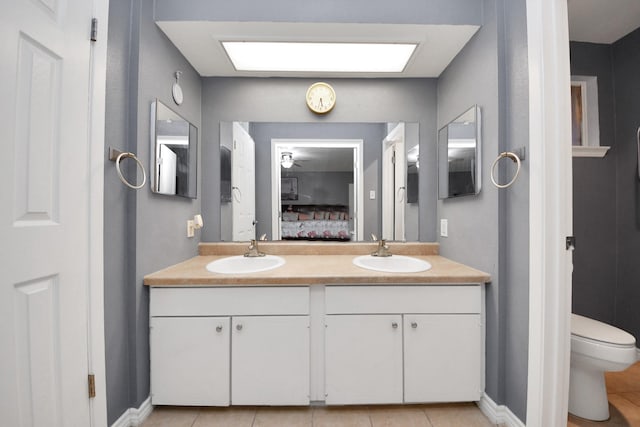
[
  {"x": 459, "y": 149},
  {"x": 174, "y": 150},
  {"x": 297, "y": 184}
]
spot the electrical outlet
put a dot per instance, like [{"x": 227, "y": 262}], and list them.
[
  {"x": 444, "y": 228},
  {"x": 190, "y": 228}
]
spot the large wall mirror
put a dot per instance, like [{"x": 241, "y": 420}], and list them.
[
  {"x": 319, "y": 181},
  {"x": 174, "y": 153},
  {"x": 459, "y": 149}
]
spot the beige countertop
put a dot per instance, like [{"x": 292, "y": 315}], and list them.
[{"x": 314, "y": 263}]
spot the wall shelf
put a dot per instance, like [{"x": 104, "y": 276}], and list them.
[{"x": 589, "y": 151}]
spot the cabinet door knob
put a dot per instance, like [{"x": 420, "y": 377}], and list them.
[
  {"x": 239, "y": 327},
  {"x": 414, "y": 325},
  {"x": 219, "y": 328},
  {"x": 394, "y": 325}
]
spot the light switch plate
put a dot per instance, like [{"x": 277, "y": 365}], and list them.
[
  {"x": 444, "y": 228},
  {"x": 372, "y": 194}
]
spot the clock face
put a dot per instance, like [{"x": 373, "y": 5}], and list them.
[{"x": 321, "y": 97}]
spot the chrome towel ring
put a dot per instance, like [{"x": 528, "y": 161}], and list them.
[
  {"x": 512, "y": 156},
  {"x": 117, "y": 156}
]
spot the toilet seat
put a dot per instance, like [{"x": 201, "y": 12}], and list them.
[
  {"x": 593, "y": 330},
  {"x": 598, "y": 340}
]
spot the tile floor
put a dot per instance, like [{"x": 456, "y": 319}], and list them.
[
  {"x": 624, "y": 406},
  {"x": 449, "y": 415},
  {"x": 624, "y": 400}
]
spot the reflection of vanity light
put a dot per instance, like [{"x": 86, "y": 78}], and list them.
[
  {"x": 417, "y": 163},
  {"x": 286, "y": 160},
  {"x": 462, "y": 143}
]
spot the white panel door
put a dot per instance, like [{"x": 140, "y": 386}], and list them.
[
  {"x": 243, "y": 185},
  {"x": 363, "y": 358},
  {"x": 167, "y": 170},
  {"x": 190, "y": 361},
  {"x": 270, "y": 360},
  {"x": 44, "y": 214},
  {"x": 394, "y": 186},
  {"x": 442, "y": 358}
]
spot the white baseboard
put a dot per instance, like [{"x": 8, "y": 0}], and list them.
[
  {"x": 133, "y": 417},
  {"x": 498, "y": 414}
]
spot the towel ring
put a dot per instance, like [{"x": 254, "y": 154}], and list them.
[
  {"x": 122, "y": 178},
  {"x": 512, "y": 156}
]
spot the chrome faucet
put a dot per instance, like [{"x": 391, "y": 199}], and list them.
[
  {"x": 383, "y": 249},
  {"x": 253, "y": 251}
]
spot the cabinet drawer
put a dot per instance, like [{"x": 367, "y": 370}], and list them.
[
  {"x": 403, "y": 299},
  {"x": 229, "y": 301}
]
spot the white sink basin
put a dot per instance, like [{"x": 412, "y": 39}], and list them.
[
  {"x": 392, "y": 264},
  {"x": 241, "y": 264}
]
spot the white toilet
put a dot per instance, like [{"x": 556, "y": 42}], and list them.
[{"x": 595, "y": 348}]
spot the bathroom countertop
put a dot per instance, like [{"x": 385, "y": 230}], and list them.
[{"x": 310, "y": 263}]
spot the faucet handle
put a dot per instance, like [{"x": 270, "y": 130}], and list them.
[{"x": 263, "y": 237}]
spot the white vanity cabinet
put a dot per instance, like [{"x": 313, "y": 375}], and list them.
[
  {"x": 411, "y": 344},
  {"x": 363, "y": 363},
  {"x": 222, "y": 346}
]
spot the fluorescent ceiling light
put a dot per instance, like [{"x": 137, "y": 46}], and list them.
[{"x": 319, "y": 57}]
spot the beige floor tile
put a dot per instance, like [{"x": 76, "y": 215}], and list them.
[
  {"x": 281, "y": 417},
  {"x": 171, "y": 416},
  {"x": 226, "y": 417},
  {"x": 398, "y": 416},
  {"x": 342, "y": 416},
  {"x": 456, "y": 415}
]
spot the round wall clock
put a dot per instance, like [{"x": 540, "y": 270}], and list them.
[{"x": 321, "y": 97}]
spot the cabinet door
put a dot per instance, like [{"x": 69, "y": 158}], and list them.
[
  {"x": 363, "y": 359},
  {"x": 442, "y": 358},
  {"x": 190, "y": 361},
  {"x": 270, "y": 360}
]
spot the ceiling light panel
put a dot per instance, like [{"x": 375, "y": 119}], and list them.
[{"x": 319, "y": 57}]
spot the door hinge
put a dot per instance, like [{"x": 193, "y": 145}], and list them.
[
  {"x": 94, "y": 29},
  {"x": 92, "y": 386},
  {"x": 571, "y": 242}
]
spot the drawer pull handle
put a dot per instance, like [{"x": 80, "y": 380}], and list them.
[
  {"x": 394, "y": 325},
  {"x": 219, "y": 328},
  {"x": 239, "y": 327},
  {"x": 414, "y": 325}
]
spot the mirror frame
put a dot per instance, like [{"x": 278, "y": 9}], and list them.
[
  {"x": 191, "y": 191},
  {"x": 444, "y": 147}
]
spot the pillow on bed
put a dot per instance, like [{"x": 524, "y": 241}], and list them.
[{"x": 290, "y": 216}]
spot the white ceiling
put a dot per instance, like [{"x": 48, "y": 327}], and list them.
[
  {"x": 199, "y": 42},
  {"x": 602, "y": 21}
]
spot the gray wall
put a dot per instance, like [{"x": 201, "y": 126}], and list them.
[
  {"x": 359, "y": 11},
  {"x": 490, "y": 231},
  {"x": 118, "y": 201},
  {"x": 144, "y": 232},
  {"x": 594, "y": 196},
  {"x": 606, "y": 191},
  {"x": 233, "y": 99},
  {"x": 626, "y": 65}
]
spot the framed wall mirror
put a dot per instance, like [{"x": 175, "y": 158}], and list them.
[
  {"x": 174, "y": 153},
  {"x": 459, "y": 149},
  {"x": 313, "y": 188}
]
